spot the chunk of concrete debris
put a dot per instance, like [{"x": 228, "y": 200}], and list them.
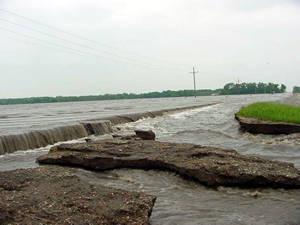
[
  {"x": 145, "y": 134},
  {"x": 208, "y": 165}
]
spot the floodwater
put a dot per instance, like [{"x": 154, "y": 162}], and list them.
[
  {"x": 16, "y": 119},
  {"x": 178, "y": 201}
]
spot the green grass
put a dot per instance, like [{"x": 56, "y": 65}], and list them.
[{"x": 271, "y": 111}]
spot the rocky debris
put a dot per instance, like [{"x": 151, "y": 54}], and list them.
[
  {"x": 210, "y": 166},
  {"x": 145, "y": 134},
  {"x": 257, "y": 126},
  {"x": 88, "y": 139},
  {"x": 55, "y": 195}
]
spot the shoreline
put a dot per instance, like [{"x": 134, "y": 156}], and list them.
[{"x": 258, "y": 126}]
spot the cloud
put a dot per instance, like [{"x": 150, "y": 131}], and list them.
[{"x": 224, "y": 39}]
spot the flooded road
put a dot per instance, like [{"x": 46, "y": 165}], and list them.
[{"x": 180, "y": 201}]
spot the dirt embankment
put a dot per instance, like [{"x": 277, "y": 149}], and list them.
[
  {"x": 55, "y": 195},
  {"x": 258, "y": 126}
]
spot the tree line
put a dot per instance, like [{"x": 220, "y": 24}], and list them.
[
  {"x": 296, "y": 89},
  {"x": 163, "y": 94},
  {"x": 229, "y": 89},
  {"x": 252, "y": 88}
]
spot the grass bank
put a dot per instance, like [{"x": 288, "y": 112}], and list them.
[{"x": 271, "y": 111}]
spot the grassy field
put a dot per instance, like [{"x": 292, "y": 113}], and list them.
[{"x": 271, "y": 111}]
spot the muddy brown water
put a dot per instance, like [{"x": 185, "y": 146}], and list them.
[{"x": 179, "y": 201}]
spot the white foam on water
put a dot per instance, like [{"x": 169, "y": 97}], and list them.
[
  {"x": 44, "y": 149},
  {"x": 155, "y": 123},
  {"x": 184, "y": 114},
  {"x": 27, "y": 158},
  {"x": 145, "y": 124}
]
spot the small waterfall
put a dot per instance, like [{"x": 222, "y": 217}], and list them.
[
  {"x": 42, "y": 138},
  {"x": 97, "y": 127}
]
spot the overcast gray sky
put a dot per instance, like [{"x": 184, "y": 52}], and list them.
[{"x": 139, "y": 46}]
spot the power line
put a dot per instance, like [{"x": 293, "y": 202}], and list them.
[
  {"x": 45, "y": 45},
  {"x": 71, "y": 42},
  {"x": 73, "y": 50},
  {"x": 52, "y": 27},
  {"x": 55, "y": 36},
  {"x": 129, "y": 60},
  {"x": 76, "y": 35},
  {"x": 55, "y": 44}
]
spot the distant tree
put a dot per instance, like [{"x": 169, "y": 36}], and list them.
[
  {"x": 243, "y": 88},
  {"x": 296, "y": 89},
  {"x": 227, "y": 89},
  {"x": 261, "y": 88},
  {"x": 282, "y": 88},
  {"x": 252, "y": 88}
]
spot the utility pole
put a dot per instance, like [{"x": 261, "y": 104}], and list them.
[
  {"x": 238, "y": 86},
  {"x": 194, "y": 72}
]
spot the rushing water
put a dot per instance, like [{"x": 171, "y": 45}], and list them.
[
  {"x": 15, "y": 119},
  {"x": 179, "y": 201}
]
